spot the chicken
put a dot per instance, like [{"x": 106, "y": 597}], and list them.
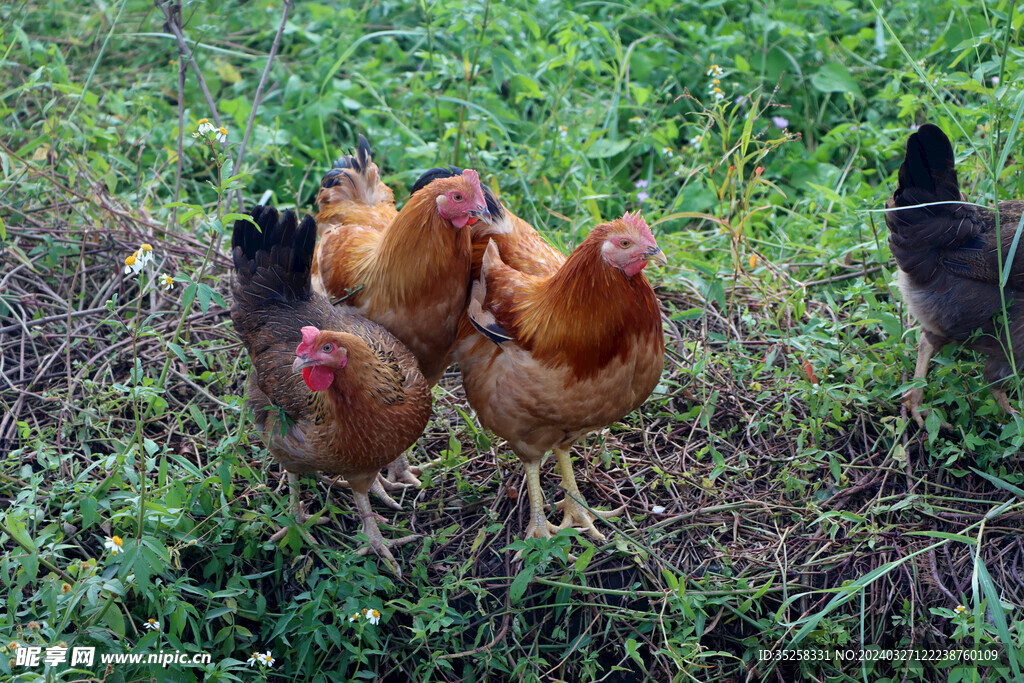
[
  {"x": 407, "y": 270},
  {"x": 949, "y": 264},
  {"x": 547, "y": 358},
  {"x": 360, "y": 399}
]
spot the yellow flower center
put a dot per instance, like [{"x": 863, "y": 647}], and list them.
[
  {"x": 130, "y": 261},
  {"x": 223, "y": 130},
  {"x": 117, "y": 539},
  {"x": 202, "y": 121},
  {"x": 146, "y": 247}
]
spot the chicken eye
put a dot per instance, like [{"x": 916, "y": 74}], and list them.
[
  {"x": 327, "y": 348},
  {"x": 457, "y": 196},
  {"x": 625, "y": 244}
]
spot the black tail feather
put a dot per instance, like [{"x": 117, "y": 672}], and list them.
[
  {"x": 928, "y": 172},
  {"x": 273, "y": 258}
]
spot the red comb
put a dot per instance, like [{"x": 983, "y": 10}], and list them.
[
  {"x": 636, "y": 221},
  {"x": 472, "y": 176},
  {"x": 309, "y": 335}
]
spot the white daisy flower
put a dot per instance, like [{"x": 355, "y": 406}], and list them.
[
  {"x": 372, "y": 616},
  {"x": 115, "y": 544},
  {"x": 256, "y": 657},
  {"x": 268, "y": 659},
  {"x": 205, "y": 127},
  {"x": 222, "y": 134},
  {"x": 138, "y": 260},
  {"x": 152, "y": 624},
  {"x": 167, "y": 281}
]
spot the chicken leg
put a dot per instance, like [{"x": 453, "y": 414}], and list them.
[
  {"x": 576, "y": 512},
  {"x": 539, "y": 526},
  {"x": 297, "y": 512},
  {"x": 912, "y": 399},
  {"x": 378, "y": 543}
]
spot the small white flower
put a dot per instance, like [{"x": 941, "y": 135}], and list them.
[
  {"x": 152, "y": 624},
  {"x": 222, "y": 134},
  {"x": 114, "y": 544},
  {"x": 695, "y": 141},
  {"x": 167, "y": 281},
  {"x": 960, "y": 609},
  {"x": 256, "y": 657},
  {"x": 667, "y": 151},
  {"x": 205, "y": 127},
  {"x": 372, "y": 616},
  {"x": 268, "y": 659},
  {"x": 138, "y": 260},
  {"x": 715, "y": 71},
  {"x": 355, "y": 617},
  {"x": 563, "y": 131}
]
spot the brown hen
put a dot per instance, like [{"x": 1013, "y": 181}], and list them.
[
  {"x": 330, "y": 391},
  {"x": 551, "y": 356}
]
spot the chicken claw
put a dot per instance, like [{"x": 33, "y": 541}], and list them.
[
  {"x": 401, "y": 475},
  {"x": 380, "y": 545},
  {"x": 576, "y": 513}
]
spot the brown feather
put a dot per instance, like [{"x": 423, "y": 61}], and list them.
[{"x": 412, "y": 276}]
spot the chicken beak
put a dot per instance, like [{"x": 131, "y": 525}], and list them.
[
  {"x": 655, "y": 253},
  {"x": 302, "y": 362},
  {"x": 482, "y": 214}
]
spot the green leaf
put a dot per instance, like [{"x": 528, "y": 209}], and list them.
[
  {"x": 583, "y": 561},
  {"x": 518, "y": 587},
  {"x": 836, "y": 78},
  {"x": 604, "y": 148}
]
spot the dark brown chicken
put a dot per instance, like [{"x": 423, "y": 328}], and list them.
[
  {"x": 330, "y": 391},
  {"x": 949, "y": 254}
]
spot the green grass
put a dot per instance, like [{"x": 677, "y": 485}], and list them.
[{"x": 800, "y": 509}]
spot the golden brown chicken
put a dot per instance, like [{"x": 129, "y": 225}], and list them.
[
  {"x": 549, "y": 357},
  {"x": 949, "y": 254},
  {"x": 406, "y": 270},
  {"x": 330, "y": 391}
]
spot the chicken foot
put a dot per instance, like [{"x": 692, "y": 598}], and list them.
[
  {"x": 378, "y": 543},
  {"x": 401, "y": 474},
  {"x": 300, "y": 515},
  {"x": 576, "y": 513}
]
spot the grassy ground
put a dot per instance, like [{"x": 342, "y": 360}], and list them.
[{"x": 779, "y": 501}]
